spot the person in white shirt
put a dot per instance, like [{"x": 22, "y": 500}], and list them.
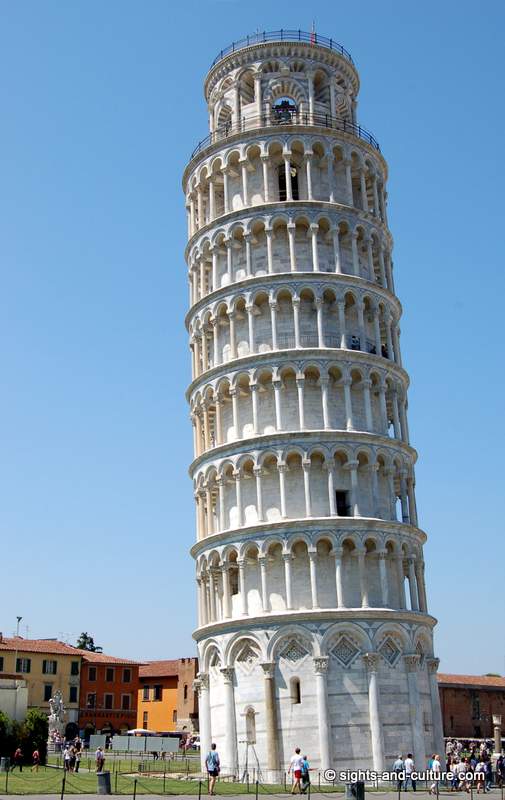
[
  {"x": 436, "y": 766},
  {"x": 295, "y": 767},
  {"x": 398, "y": 769},
  {"x": 409, "y": 769}
]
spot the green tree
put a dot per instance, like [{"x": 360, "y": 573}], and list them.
[
  {"x": 34, "y": 734},
  {"x": 5, "y": 726},
  {"x": 86, "y": 642}
]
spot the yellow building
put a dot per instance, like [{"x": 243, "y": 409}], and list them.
[{"x": 46, "y": 665}]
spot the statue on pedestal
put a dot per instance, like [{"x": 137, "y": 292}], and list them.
[{"x": 56, "y": 715}]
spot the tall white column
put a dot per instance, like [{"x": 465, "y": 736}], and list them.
[
  {"x": 270, "y": 257},
  {"x": 306, "y": 486},
  {"x": 242, "y": 589},
  {"x": 296, "y": 320},
  {"x": 250, "y": 308},
  {"x": 265, "y": 160},
  {"x": 436, "y": 713},
  {"x": 273, "y": 322},
  {"x": 313, "y": 578},
  {"x": 308, "y": 173},
  {"x": 291, "y": 229},
  {"x": 264, "y": 584},
  {"x": 300, "y": 380},
  {"x": 336, "y": 250},
  {"x": 287, "y": 173},
  {"x": 272, "y": 738},
  {"x": 347, "y": 382},
  {"x": 341, "y": 323},
  {"x": 281, "y": 469},
  {"x": 371, "y": 661},
  {"x": 258, "y": 473},
  {"x": 363, "y": 583},
  {"x": 201, "y": 685},
  {"x": 414, "y": 597},
  {"x": 319, "y": 316},
  {"x": 338, "y": 578},
  {"x": 416, "y": 713},
  {"x": 382, "y": 555},
  {"x": 253, "y": 387},
  {"x": 277, "y": 384},
  {"x": 324, "y": 383},
  {"x": 230, "y": 755},
  {"x": 314, "y": 230},
  {"x": 288, "y": 580},
  {"x": 323, "y": 717},
  {"x": 225, "y": 572}
]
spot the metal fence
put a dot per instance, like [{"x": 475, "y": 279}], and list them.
[{"x": 283, "y": 35}]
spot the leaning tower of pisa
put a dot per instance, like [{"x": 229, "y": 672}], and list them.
[{"x": 313, "y": 627}]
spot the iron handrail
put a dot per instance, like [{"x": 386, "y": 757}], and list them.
[
  {"x": 285, "y": 118},
  {"x": 283, "y": 36}
]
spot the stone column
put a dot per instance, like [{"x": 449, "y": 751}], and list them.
[
  {"x": 277, "y": 383},
  {"x": 355, "y": 256},
  {"x": 295, "y": 302},
  {"x": 222, "y": 515},
  {"x": 270, "y": 258},
  {"x": 308, "y": 172},
  {"x": 314, "y": 230},
  {"x": 401, "y": 581},
  {"x": 226, "y": 190},
  {"x": 205, "y": 599},
  {"x": 366, "y": 384},
  {"x": 382, "y": 554},
  {"x": 225, "y": 572},
  {"x": 364, "y": 198},
  {"x": 361, "y": 326},
  {"x": 329, "y": 167},
  {"x": 336, "y": 251},
  {"x": 287, "y": 578},
  {"x": 242, "y": 589},
  {"x": 338, "y": 578},
  {"x": 212, "y": 202},
  {"x": 273, "y": 322},
  {"x": 371, "y": 661},
  {"x": 250, "y": 321},
  {"x": 436, "y": 713},
  {"x": 414, "y": 597},
  {"x": 352, "y": 466},
  {"x": 216, "y": 360},
  {"x": 258, "y": 473},
  {"x": 233, "y": 341},
  {"x": 287, "y": 173},
  {"x": 416, "y": 714},
  {"x": 497, "y": 720},
  {"x": 323, "y": 717},
  {"x": 271, "y": 717},
  {"x": 348, "y": 181},
  {"x": 341, "y": 323},
  {"x": 319, "y": 315},
  {"x": 313, "y": 578},
  {"x": 306, "y": 486},
  {"x": 266, "y": 194},
  {"x": 245, "y": 193},
  {"x": 212, "y": 595},
  {"x": 238, "y": 496},
  {"x": 347, "y": 382},
  {"x": 291, "y": 228},
  {"x": 324, "y": 382},
  {"x": 363, "y": 583},
  {"x": 300, "y": 380},
  {"x": 281, "y": 469},
  {"x": 231, "y": 755},
  {"x": 234, "y": 405},
  {"x": 253, "y": 387},
  {"x": 202, "y": 685},
  {"x": 421, "y": 588},
  {"x": 264, "y": 584},
  {"x": 248, "y": 261}
]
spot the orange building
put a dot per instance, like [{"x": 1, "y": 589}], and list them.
[
  {"x": 166, "y": 700},
  {"x": 109, "y": 693}
]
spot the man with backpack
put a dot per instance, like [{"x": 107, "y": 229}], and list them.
[{"x": 213, "y": 765}]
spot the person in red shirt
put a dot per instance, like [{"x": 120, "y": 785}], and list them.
[
  {"x": 35, "y": 760},
  {"x": 18, "y": 760}
]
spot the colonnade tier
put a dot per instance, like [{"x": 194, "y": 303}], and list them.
[
  {"x": 288, "y": 317},
  {"x": 269, "y": 242},
  {"x": 260, "y": 485},
  {"x": 311, "y": 394},
  {"x": 266, "y": 169},
  {"x": 304, "y": 572}
]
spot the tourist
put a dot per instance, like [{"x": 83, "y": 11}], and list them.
[
  {"x": 77, "y": 761},
  {"x": 99, "y": 759},
  {"x": 480, "y": 775},
  {"x": 213, "y": 765},
  {"x": 500, "y": 771},
  {"x": 398, "y": 769},
  {"x": 66, "y": 759},
  {"x": 305, "y": 783},
  {"x": 35, "y": 760},
  {"x": 18, "y": 760},
  {"x": 458, "y": 781},
  {"x": 409, "y": 769},
  {"x": 488, "y": 771},
  {"x": 295, "y": 767},
  {"x": 436, "y": 767}
]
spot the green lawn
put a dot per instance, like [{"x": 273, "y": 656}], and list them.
[
  {"x": 182, "y": 765},
  {"x": 49, "y": 781}
]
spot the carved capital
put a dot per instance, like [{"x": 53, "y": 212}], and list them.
[
  {"x": 371, "y": 661},
  {"x": 412, "y": 662},
  {"x": 228, "y": 674},
  {"x": 268, "y": 668},
  {"x": 432, "y": 664},
  {"x": 321, "y": 665}
]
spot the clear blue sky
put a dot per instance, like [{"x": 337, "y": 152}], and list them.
[{"x": 101, "y": 104}]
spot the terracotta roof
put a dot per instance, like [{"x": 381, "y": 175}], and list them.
[
  {"x": 51, "y": 646},
  {"x": 471, "y": 680},
  {"x": 162, "y": 669},
  {"x": 102, "y": 658}
]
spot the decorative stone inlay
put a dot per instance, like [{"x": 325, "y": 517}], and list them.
[
  {"x": 294, "y": 651},
  {"x": 390, "y": 652},
  {"x": 247, "y": 655},
  {"x": 411, "y": 662},
  {"x": 345, "y": 651},
  {"x": 371, "y": 661},
  {"x": 321, "y": 665},
  {"x": 420, "y": 653}
]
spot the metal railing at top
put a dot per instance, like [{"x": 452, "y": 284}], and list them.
[
  {"x": 286, "y": 117},
  {"x": 283, "y": 35}
]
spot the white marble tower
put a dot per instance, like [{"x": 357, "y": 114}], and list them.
[{"x": 313, "y": 627}]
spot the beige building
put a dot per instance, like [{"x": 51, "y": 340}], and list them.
[
  {"x": 44, "y": 665},
  {"x": 13, "y": 697}
]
